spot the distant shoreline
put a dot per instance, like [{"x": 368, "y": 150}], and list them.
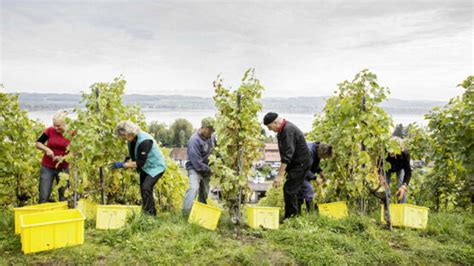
[
  {"x": 304, "y": 121},
  {"x": 298, "y": 105}
]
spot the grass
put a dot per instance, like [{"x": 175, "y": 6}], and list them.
[{"x": 306, "y": 240}]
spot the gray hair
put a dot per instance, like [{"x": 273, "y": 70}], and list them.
[
  {"x": 125, "y": 128},
  {"x": 325, "y": 149},
  {"x": 60, "y": 116}
]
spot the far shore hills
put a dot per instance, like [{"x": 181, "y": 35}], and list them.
[{"x": 302, "y": 105}]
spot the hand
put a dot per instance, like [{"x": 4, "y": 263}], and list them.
[
  {"x": 277, "y": 182},
  {"x": 206, "y": 172},
  {"x": 57, "y": 158},
  {"x": 117, "y": 165},
  {"x": 401, "y": 192},
  {"x": 319, "y": 181},
  {"x": 322, "y": 176},
  {"x": 50, "y": 153},
  {"x": 311, "y": 176}
]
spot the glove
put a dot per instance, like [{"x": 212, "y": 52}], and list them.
[{"x": 117, "y": 165}]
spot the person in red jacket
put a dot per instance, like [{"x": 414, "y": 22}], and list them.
[{"x": 54, "y": 145}]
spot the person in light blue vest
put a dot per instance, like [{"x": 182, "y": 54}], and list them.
[{"x": 146, "y": 157}]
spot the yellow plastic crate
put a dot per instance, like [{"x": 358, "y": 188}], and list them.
[
  {"x": 88, "y": 208},
  {"x": 407, "y": 215},
  {"x": 50, "y": 206},
  {"x": 114, "y": 216},
  {"x": 266, "y": 217},
  {"x": 204, "y": 215},
  {"x": 51, "y": 230},
  {"x": 337, "y": 210}
]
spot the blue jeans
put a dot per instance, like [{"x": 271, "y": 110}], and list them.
[
  {"x": 400, "y": 175},
  {"x": 198, "y": 186},
  {"x": 47, "y": 176}
]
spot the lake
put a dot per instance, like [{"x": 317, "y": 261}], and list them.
[{"x": 303, "y": 121}]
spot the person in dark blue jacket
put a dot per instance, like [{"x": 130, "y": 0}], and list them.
[
  {"x": 317, "y": 151},
  {"x": 200, "y": 146}
]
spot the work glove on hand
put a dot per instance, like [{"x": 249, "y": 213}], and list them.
[{"x": 116, "y": 165}]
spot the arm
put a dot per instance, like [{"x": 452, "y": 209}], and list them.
[
  {"x": 40, "y": 145},
  {"x": 406, "y": 179},
  {"x": 287, "y": 149},
  {"x": 406, "y": 169},
  {"x": 279, "y": 177},
  {"x": 194, "y": 156},
  {"x": 143, "y": 151},
  {"x": 318, "y": 170}
]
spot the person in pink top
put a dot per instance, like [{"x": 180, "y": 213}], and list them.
[{"x": 54, "y": 145}]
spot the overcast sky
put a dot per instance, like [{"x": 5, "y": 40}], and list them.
[{"x": 419, "y": 49}]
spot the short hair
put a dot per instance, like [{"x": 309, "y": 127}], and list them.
[
  {"x": 60, "y": 116},
  {"x": 125, "y": 128},
  {"x": 325, "y": 149}
]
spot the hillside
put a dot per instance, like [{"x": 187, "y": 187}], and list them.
[{"x": 308, "y": 240}]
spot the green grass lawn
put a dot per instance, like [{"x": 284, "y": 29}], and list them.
[{"x": 307, "y": 240}]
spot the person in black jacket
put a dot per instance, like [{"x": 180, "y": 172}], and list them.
[
  {"x": 400, "y": 165},
  {"x": 295, "y": 160}
]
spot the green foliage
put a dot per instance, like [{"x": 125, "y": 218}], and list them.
[
  {"x": 452, "y": 131},
  {"x": 172, "y": 186},
  {"x": 95, "y": 146},
  {"x": 358, "y": 240},
  {"x": 273, "y": 198},
  {"x": 418, "y": 142},
  {"x": 239, "y": 138},
  {"x": 265, "y": 169},
  {"x": 181, "y": 131},
  {"x": 160, "y": 132},
  {"x": 359, "y": 130},
  {"x": 177, "y": 135},
  {"x": 19, "y": 159}
]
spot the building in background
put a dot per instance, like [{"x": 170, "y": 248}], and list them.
[{"x": 180, "y": 155}]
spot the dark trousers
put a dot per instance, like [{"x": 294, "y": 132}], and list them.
[
  {"x": 47, "y": 176},
  {"x": 305, "y": 195},
  {"x": 294, "y": 181},
  {"x": 147, "y": 183},
  {"x": 307, "y": 202}
]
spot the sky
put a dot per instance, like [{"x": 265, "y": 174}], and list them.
[{"x": 419, "y": 49}]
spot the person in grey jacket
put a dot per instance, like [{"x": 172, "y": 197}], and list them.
[{"x": 200, "y": 146}]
